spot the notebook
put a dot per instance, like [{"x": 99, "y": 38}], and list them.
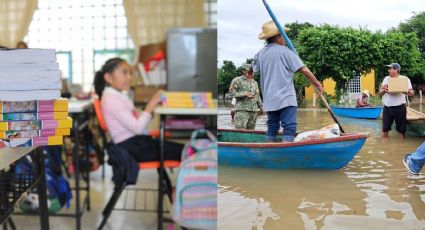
[
  {"x": 33, "y": 116},
  {"x": 33, "y": 125},
  {"x": 52, "y": 66},
  {"x": 31, "y": 142},
  {"x": 59, "y": 105},
  {"x": 29, "y": 80},
  {"x": 35, "y": 133},
  {"x": 22, "y": 56},
  {"x": 29, "y": 95}
]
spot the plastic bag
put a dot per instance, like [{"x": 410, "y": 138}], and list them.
[{"x": 323, "y": 133}]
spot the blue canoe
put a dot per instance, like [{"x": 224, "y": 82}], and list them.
[
  {"x": 247, "y": 149},
  {"x": 360, "y": 112}
]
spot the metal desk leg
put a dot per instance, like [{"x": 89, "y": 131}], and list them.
[
  {"x": 88, "y": 176},
  {"x": 161, "y": 173},
  {"x": 42, "y": 191},
  {"x": 77, "y": 171}
]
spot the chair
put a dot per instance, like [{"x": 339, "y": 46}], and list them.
[
  {"x": 103, "y": 130},
  {"x": 118, "y": 190}
]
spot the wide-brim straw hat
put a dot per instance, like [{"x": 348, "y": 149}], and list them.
[
  {"x": 270, "y": 30},
  {"x": 366, "y": 92}
]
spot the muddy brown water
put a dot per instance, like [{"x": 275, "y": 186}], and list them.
[{"x": 374, "y": 191}]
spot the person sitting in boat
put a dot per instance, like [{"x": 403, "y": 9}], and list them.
[
  {"x": 394, "y": 103},
  {"x": 363, "y": 100},
  {"x": 248, "y": 101},
  {"x": 277, "y": 64}
]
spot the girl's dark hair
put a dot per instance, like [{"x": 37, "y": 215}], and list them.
[{"x": 99, "y": 77}]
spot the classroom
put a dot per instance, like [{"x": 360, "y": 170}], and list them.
[{"x": 101, "y": 102}]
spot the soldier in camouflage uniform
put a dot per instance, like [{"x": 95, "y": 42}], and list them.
[{"x": 248, "y": 101}]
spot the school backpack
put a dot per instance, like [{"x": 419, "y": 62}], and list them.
[
  {"x": 58, "y": 190},
  {"x": 200, "y": 139},
  {"x": 195, "y": 203}
]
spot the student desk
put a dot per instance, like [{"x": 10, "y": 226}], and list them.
[
  {"x": 164, "y": 113},
  {"x": 80, "y": 111},
  {"x": 10, "y": 155}
]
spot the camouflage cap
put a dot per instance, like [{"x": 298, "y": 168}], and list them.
[{"x": 246, "y": 66}]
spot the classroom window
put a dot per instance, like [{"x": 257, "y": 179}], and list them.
[
  {"x": 78, "y": 30},
  {"x": 210, "y": 7}
]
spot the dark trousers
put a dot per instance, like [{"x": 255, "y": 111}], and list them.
[
  {"x": 397, "y": 114},
  {"x": 285, "y": 117},
  {"x": 144, "y": 148}
]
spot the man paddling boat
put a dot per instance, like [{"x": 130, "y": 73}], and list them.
[{"x": 277, "y": 65}]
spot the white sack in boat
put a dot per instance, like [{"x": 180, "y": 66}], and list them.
[{"x": 325, "y": 132}]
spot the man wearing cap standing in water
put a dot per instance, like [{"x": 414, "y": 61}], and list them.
[
  {"x": 394, "y": 103},
  {"x": 277, "y": 65}
]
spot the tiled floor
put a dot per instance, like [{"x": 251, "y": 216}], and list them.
[{"x": 101, "y": 190}]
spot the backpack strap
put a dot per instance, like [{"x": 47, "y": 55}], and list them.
[{"x": 204, "y": 132}]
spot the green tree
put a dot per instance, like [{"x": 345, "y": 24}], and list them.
[
  {"x": 225, "y": 75},
  {"x": 296, "y": 28},
  {"x": 416, "y": 24},
  {"x": 331, "y": 51},
  {"x": 396, "y": 47}
]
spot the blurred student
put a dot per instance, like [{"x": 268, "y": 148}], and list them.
[
  {"x": 128, "y": 129},
  {"x": 21, "y": 45}
]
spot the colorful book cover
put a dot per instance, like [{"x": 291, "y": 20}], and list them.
[
  {"x": 58, "y": 105},
  {"x": 37, "y": 124},
  {"x": 187, "y": 100},
  {"x": 188, "y": 104},
  {"x": 31, "y": 142},
  {"x": 33, "y": 116},
  {"x": 34, "y": 133},
  {"x": 188, "y": 95}
]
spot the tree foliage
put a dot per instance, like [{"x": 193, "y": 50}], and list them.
[
  {"x": 342, "y": 52},
  {"x": 296, "y": 28},
  {"x": 332, "y": 51},
  {"x": 415, "y": 24},
  {"x": 225, "y": 75}
]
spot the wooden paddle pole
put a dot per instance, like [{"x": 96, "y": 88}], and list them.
[
  {"x": 291, "y": 47},
  {"x": 328, "y": 108}
]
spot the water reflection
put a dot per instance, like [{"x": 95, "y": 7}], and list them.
[
  {"x": 255, "y": 213},
  {"x": 374, "y": 191},
  {"x": 298, "y": 197}
]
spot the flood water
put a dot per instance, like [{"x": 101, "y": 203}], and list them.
[{"x": 374, "y": 191}]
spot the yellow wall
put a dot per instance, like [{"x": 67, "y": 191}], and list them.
[
  {"x": 368, "y": 82},
  {"x": 309, "y": 93},
  {"x": 328, "y": 86}
]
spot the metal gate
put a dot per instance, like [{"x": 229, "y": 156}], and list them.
[{"x": 354, "y": 88}]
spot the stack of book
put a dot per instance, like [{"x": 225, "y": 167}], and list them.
[
  {"x": 31, "y": 110},
  {"x": 187, "y": 100}
]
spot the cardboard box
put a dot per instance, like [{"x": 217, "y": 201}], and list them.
[
  {"x": 142, "y": 94},
  {"x": 398, "y": 85},
  {"x": 147, "y": 51}
]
